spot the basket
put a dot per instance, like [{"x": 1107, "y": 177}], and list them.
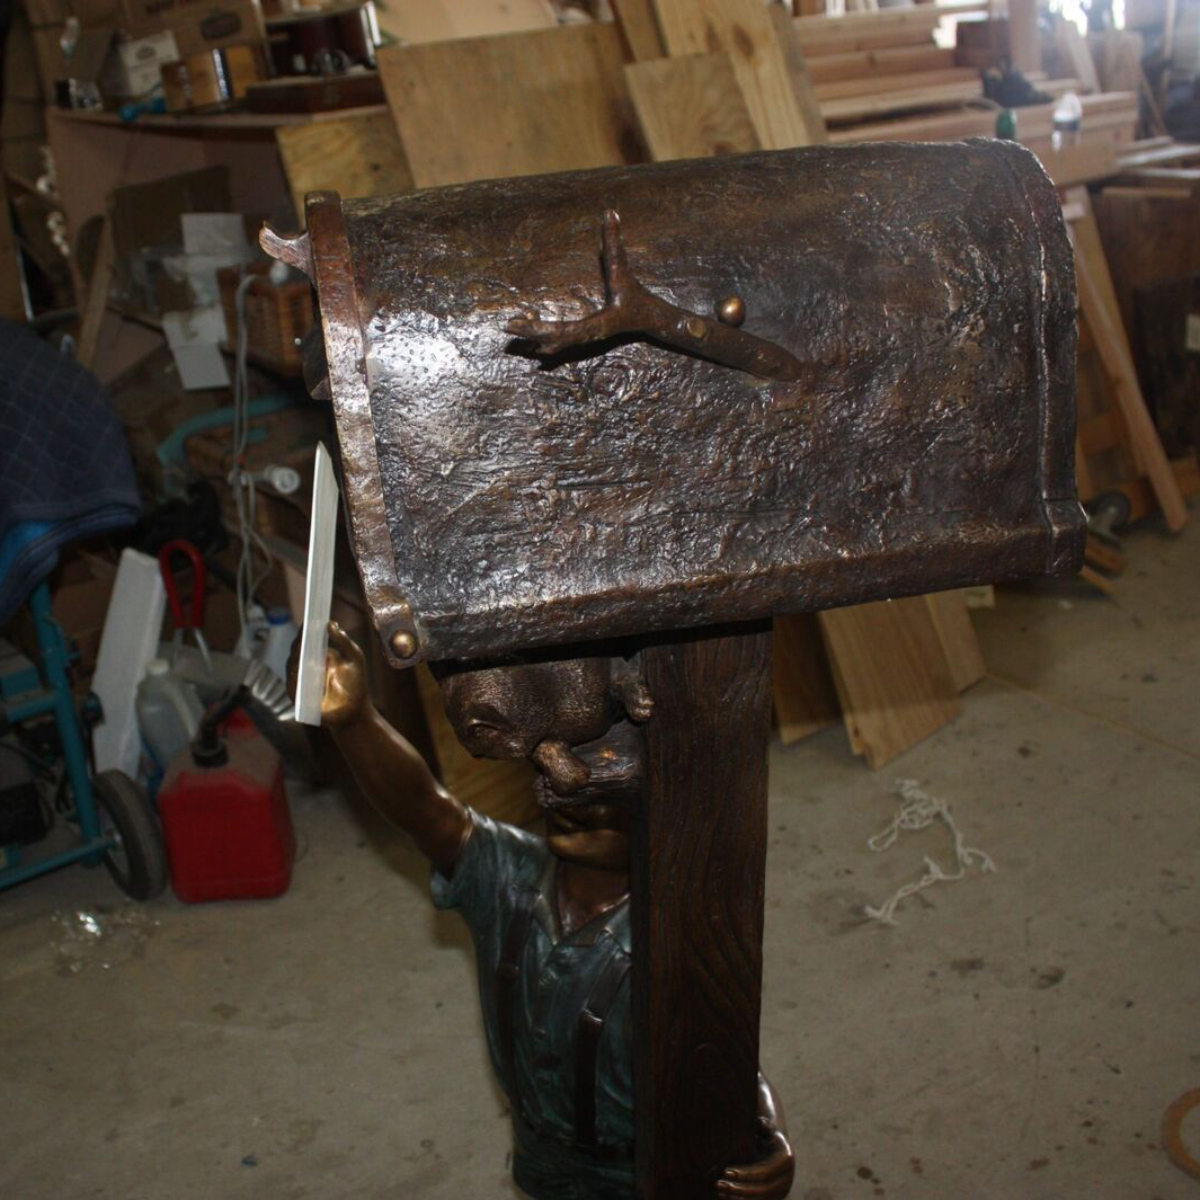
[{"x": 277, "y": 316}]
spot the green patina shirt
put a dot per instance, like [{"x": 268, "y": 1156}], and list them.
[{"x": 503, "y": 873}]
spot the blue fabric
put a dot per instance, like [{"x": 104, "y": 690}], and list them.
[{"x": 65, "y": 471}]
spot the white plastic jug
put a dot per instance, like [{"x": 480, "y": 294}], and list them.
[{"x": 168, "y": 712}]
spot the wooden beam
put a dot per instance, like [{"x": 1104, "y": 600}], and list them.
[
  {"x": 1025, "y": 44},
  {"x": 1098, "y": 302},
  {"x": 865, "y": 86},
  {"x": 900, "y": 61},
  {"x": 699, "y": 866},
  {"x": 97, "y": 297},
  {"x": 858, "y": 108}
]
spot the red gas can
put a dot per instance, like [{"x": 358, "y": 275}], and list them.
[{"x": 225, "y": 815}]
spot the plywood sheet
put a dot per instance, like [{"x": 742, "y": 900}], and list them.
[
  {"x": 690, "y": 107},
  {"x": 743, "y": 29},
  {"x": 522, "y": 104},
  {"x": 356, "y": 157},
  {"x": 952, "y": 620},
  {"x": 892, "y": 675}
]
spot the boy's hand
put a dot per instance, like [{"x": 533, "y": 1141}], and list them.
[
  {"x": 345, "y": 699},
  {"x": 770, "y": 1178}
]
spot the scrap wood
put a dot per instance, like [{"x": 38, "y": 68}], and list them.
[
  {"x": 891, "y": 673},
  {"x": 522, "y": 104},
  {"x": 690, "y": 107},
  {"x": 743, "y": 29},
  {"x": 356, "y": 156}
]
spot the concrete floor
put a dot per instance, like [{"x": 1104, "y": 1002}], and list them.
[{"x": 1017, "y": 1035}]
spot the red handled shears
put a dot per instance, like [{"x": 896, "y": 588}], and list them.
[{"x": 193, "y": 621}]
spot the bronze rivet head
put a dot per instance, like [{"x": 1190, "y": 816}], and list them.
[
  {"x": 732, "y": 310},
  {"x": 696, "y": 327},
  {"x": 403, "y": 643}
]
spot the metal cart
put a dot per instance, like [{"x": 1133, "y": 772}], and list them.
[{"x": 115, "y": 820}]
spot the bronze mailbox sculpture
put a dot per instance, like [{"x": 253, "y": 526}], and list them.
[{"x": 595, "y": 429}]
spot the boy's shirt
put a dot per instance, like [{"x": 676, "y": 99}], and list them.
[{"x": 504, "y": 886}]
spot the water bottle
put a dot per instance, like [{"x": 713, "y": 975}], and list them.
[{"x": 277, "y": 644}]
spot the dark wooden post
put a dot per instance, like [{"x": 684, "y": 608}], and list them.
[{"x": 698, "y": 886}]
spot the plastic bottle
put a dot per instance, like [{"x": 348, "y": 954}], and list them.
[
  {"x": 168, "y": 712},
  {"x": 1068, "y": 121},
  {"x": 277, "y": 645}
]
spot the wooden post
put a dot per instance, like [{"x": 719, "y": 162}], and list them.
[{"x": 699, "y": 864}]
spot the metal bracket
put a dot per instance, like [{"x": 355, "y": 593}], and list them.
[{"x": 632, "y": 308}]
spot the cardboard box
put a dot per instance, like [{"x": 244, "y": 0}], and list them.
[
  {"x": 197, "y": 25},
  {"x": 134, "y": 66}
]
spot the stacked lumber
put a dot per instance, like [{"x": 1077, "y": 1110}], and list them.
[{"x": 882, "y": 76}]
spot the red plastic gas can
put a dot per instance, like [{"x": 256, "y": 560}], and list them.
[{"x": 228, "y": 828}]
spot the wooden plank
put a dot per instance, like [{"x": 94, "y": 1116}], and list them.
[
  {"x": 924, "y": 18},
  {"x": 638, "y": 24},
  {"x": 356, "y": 157},
  {"x": 804, "y": 692},
  {"x": 866, "y": 41},
  {"x": 892, "y": 674},
  {"x": 797, "y": 69},
  {"x": 97, "y": 297},
  {"x": 1158, "y": 155},
  {"x": 690, "y": 107},
  {"x": 697, "y": 965},
  {"x": 1075, "y": 56},
  {"x": 858, "y": 108},
  {"x": 743, "y": 29},
  {"x": 952, "y": 622},
  {"x": 1099, "y": 306},
  {"x": 864, "y": 86},
  {"x": 522, "y": 104},
  {"x": 416, "y": 21},
  {"x": 901, "y": 61},
  {"x": 1024, "y": 41}
]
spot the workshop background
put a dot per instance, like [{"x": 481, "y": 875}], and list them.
[{"x": 224, "y": 978}]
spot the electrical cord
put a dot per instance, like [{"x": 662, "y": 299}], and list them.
[{"x": 250, "y": 574}]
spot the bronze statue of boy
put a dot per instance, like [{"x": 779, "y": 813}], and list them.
[{"x": 549, "y": 916}]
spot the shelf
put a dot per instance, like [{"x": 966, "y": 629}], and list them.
[{"x": 223, "y": 123}]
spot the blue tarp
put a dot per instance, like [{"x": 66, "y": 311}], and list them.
[{"x": 65, "y": 471}]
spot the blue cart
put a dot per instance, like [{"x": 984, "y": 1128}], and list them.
[{"x": 112, "y": 814}]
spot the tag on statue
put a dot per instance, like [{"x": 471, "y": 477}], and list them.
[{"x": 318, "y": 591}]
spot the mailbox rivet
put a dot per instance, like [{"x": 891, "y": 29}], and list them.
[
  {"x": 403, "y": 643},
  {"x": 732, "y": 310}
]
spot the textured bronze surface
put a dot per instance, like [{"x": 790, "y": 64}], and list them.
[{"x": 512, "y": 500}]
